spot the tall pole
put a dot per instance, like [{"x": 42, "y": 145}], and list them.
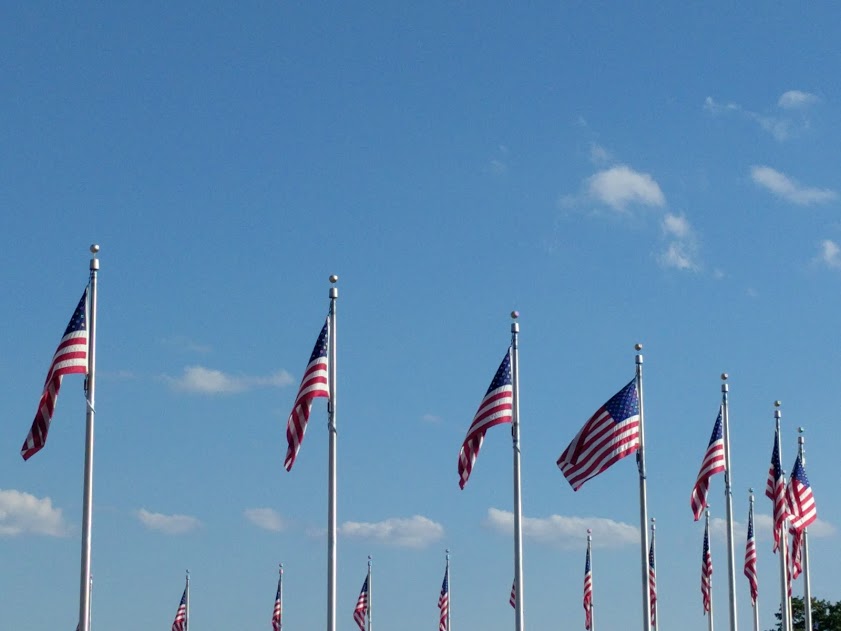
[
  {"x": 646, "y": 597},
  {"x": 518, "y": 505},
  {"x": 756, "y": 601},
  {"x": 709, "y": 577},
  {"x": 87, "y": 501},
  {"x": 187, "y": 604},
  {"x": 807, "y": 583},
  {"x": 370, "y": 598},
  {"x": 656, "y": 618},
  {"x": 592, "y": 589},
  {"x": 728, "y": 502},
  {"x": 280, "y": 593},
  {"x": 449, "y": 592},
  {"x": 331, "y": 484},
  {"x": 785, "y": 608},
  {"x": 90, "y": 605}
]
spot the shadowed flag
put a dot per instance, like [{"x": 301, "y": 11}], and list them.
[
  {"x": 361, "y": 609},
  {"x": 713, "y": 463}
]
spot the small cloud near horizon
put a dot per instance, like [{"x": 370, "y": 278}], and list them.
[
  {"x": 566, "y": 531},
  {"x": 402, "y": 532},
  {"x": 265, "y": 518},
  {"x": 201, "y": 380},
  {"x": 167, "y": 524}
]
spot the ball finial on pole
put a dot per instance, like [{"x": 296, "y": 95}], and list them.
[
  {"x": 515, "y": 315},
  {"x": 334, "y": 279},
  {"x": 777, "y": 403},
  {"x": 94, "y": 248},
  {"x": 724, "y": 376},
  {"x": 637, "y": 346}
]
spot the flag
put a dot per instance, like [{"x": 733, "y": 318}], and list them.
[
  {"x": 70, "y": 357},
  {"x": 495, "y": 409},
  {"x": 775, "y": 490},
  {"x": 361, "y": 609},
  {"x": 795, "y": 567},
  {"x": 278, "y": 609},
  {"x": 799, "y": 499},
  {"x": 713, "y": 463},
  {"x": 612, "y": 433},
  {"x": 179, "y": 623},
  {"x": 444, "y": 601},
  {"x": 588, "y": 592},
  {"x": 313, "y": 385},
  {"x": 750, "y": 561},
  {"x": 512, "y": 599},
  {"x": 652, "y": 584},
  {"x": 706, "y": 571}
]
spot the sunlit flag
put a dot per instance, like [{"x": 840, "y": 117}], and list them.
[{"x": 713, "y": 463}]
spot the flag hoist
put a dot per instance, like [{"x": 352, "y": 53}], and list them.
[
  {"x": 277, "y": 612},
  {"x": 444, "y": 599},
  {"x": 775, "y": 490},
  {"x": 803, "y": 511},
  {"x": 750, "y": 565},
  {"x": 728, "y": 501},
  {"x": 589, "y": 622},
  {"x": 647, "y": 605}
]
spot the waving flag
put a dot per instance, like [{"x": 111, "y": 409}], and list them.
[
  {"x": 444, "y": 601},
  {"x": 70, "y": 357},
  {"x": 652, "y": 584},
  {"x": 612, "y": 433},
  {"x": 706, "y": 571},
  {"x": 795, "y": 566},
  {"x": 775, "y": 490},
  {"x": 278, "y": 608},
  {"x": 799, "y": 499},
  {"x": 713, "y": 463},
  {"x": 512, "y": 599},
  {"x": 361, "y": 609},
  {"x": 495, "y": 409},
  {"x": 588, "y": 593},
  {"x": 750, "y": 560},
  {"x": 179, "y": 624},
  {"x": 313, "y": 385}
]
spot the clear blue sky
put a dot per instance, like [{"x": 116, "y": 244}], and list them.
[{"x": 656, "y": 173}]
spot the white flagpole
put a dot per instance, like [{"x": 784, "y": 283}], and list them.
[
  {"x": 280, "y": 589},
  {"x": 449, "y": 592},
  {"x": 755, "y": 602},
  {"x": 656, "y": 623},
  {"x": 187, "y": 605},
  {"x": 785, "y": 606},
  {"x": 331, "y": 490},
  {"x": 728, "y": 501},
  {"x": 518, "y": 505},
  {"x": 370, "y": 598},
  {"x": 807, "y": 583},
  {"x": 90, "y": 606},
  {"x": 709, "y": 578},
  {"x": 592, "y": 588},
  {"x": 646, "y": 597},
  {"x": 87, "y": 501}
]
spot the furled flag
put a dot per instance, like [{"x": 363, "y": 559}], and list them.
[
  {"x": 361, "y": 609},
  {"x": 750, "y": 561},
  {"x": 612, "y": 433},
  {"x": 796, "y": 551},
  {"x": 495, "y": 409},
  {"x": 313, "y": 385},
  {"x": 278, "y": 609},
  {"x": 775, "y": 490},
  {"x": 799, "y": 499},
  {"x": 588, "y": 593},
  {"x": 713, "y": 463},
  {"x": 444, "y": 601},
  {"x": 512, "y": 599},
  {"x": 706, "y": 571},
  {"x": 70, "y": 357},
  {"x": 652, "y": 584},
  {"x": 181, "y": 615}
]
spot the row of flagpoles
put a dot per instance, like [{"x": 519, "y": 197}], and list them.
[{"x": 615, "y": 431}]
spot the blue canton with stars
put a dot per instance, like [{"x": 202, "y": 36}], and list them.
[
  {"x": 78, "y": 321},
  {"x": 503, "y": 374},
  {"x": 320, "y": 349},
  {"x": 624, "y": 403}
]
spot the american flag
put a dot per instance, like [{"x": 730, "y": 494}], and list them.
[
  {"x": 706, "y": 571},
  {"x": 495, "y": 409},
  {"x": 313, "y": 385},
  {"x": 70, "y": 357},
  {"x": 713, "y": 463},
  {"x": 750, "y": 560},
  {"x": 181, "y": 615},
  {"x": 799, "y": 499},
  {"x": 588, "y": 592},
  {"x": 512, "y": 599},
  {"x": 361, "y": 609},
  {"x": 775, "y": 490},
  {"x": 612, "y": 433},
  {"x": 652, "y": 584},
  {"x": 444, "y": 601},
  {"x": 278, "y": 608},
  {"x": 796, "y": 555}
]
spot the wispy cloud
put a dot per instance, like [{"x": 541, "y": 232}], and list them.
[
  {"x": 787, "y": 122},
  {"x": 168, "y": 524},
  {"x": 25, "y": 514},
  {"x": 265, "y": 518},
  {"x": 599, "y": 155},
  {"x": 829, "y": 254},
  {"x": 795, "y": 99},
  {"x": 763, "y": 527},
  {"x": 201, "y": 380},
  {"x": 621, "y": 185},
  {"x": 431, "y": 418},
  {"x": 566, "y": 532},
  {"x": 403, "y": 532},
  {"x": 681, "y": 251},
  {"x": 789, "y": 189}
]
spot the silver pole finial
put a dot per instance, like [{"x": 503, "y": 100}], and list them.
[
  {"x": 637, "y": 346},
  {"x": 515, "y": 315},
  {"x": 724, "y": 376},
  {"x": 777, "y": 403},
  {"x": 334, "y": 279},
  {"x": 94, "y": 248}
]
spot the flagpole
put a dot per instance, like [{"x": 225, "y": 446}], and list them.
[
  {"x": 709, "y": 578},
  {"x": 592, "y": 590},
  {"x": 756, "y": 601},
  {"x": 656, "y": 621},
  {"x": 519, "y": 614},
  {"x": 785, "y": 610},
  {"x": 87, "y": 501},
  {"x": 646, "y": 597},
  {"x": 187, "y": 605},
  {"x": 280, "y": 591},
  {"x": 331, "y": 485},
  {"x": 449, "y": 592},
  {"x": 90, "y": 607},
  {"x": 370, "y": 598},
  {"x": 728, "y": 501},
  {"x": 807, "y": 583}
]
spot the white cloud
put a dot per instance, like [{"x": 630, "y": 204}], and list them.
[
  {"x": 620, "y": 185},
  {"x": 265, "y": 518},
  {"x": 22, "y": 513},
  {"x": 795, "y": 99},
  {"x": 209, "y": 381},
  {"x": 404, "y": 532},
  {"x": 676, "y": 226},
  {"x": 830, "y": 254},
  {"x": 682, "y": 247},
  {"x": 168, "y": 524},
  {"x": 788, "y": 189},
  {"x": 599, "y": 155},
  {"x": 763, "y": 528},
  {"x": 431, "y": 418},
  {"x": 566, "y": 532}
]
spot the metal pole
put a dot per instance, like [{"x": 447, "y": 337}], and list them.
[
  {"x": 280, "y": 591},
  {"x": 592, "y": 589},
  {"x": 87, "y": 501},
  {"x": 370, "y": 598},
  {"x": 187, "y": 604},
  {"x": 518, "y": 506},
  {"x": 807, "y": 583},
  {"x": 755, "y": 602},
  {"x": 449, "y": 592},
  {"x": 331, "y": 484},
  {"x": 785, "y": 611},
  {"x": 728, "y": 502},
  {"x": 646, "y": 597},
  {"x": 709, "y": 578},
  {"x": 655, "y": 624}
]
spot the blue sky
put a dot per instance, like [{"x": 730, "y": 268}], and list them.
[{"x": 662, "y": 173}]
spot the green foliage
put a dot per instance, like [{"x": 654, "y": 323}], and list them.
[{"x": 826, "y": 616}]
